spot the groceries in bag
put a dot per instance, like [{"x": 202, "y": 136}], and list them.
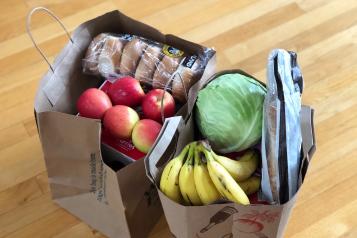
[
  {"x": 129, "y": 116},
  {"x": 150, "y": 77},
  {"x": 152, "y": 63},
  {"x": 219, "y": 212},
  {"x": 198, "y": 176},
  {"x": 282, "y": 139},
  {"x": 229, "y": 115},
  {"x": 229, "y": 112}
]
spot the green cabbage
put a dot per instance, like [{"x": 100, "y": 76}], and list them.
[{"x": 229, "y": 112}]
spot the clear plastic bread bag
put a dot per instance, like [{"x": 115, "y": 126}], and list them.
[{"x": 152, "y": 63}]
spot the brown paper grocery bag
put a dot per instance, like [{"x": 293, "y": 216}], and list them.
[
  {"x": 120, "y": 203},
  {"x": 220, "y": 220}
]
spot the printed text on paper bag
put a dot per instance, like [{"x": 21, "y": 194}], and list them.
[{"x": 97, "y": 178}]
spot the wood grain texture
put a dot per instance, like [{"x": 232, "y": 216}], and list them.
[{"x": 323, "y": 32}]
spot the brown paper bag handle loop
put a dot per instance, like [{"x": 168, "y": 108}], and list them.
[{"x": 28, "y": 29}]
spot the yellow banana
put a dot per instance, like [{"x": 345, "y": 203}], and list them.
[
  {"x": 250, "y": 185},
  {"x": 169, "y": 182},
  {"x": 240, "y": 169},
  {"x": 223, "y": 181},
  {"x": 186, "y": 180},
  {"x": 204, "y": 185}
]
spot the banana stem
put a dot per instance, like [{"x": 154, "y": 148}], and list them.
[
  {"x": 198, "y": 153},
  {"x": 214, "y": 155},
  {"x": 204, "y": 145},
  {"x": 183, "y": 153},
  {"x": 189, "y": 159},
  {"x": 208, "y": 154},
  {"x": 196, "y": 156}
]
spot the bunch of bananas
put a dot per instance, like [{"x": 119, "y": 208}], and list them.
[{"x": 198, "y": 176}]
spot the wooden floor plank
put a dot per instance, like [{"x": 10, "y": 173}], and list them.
[
  {"x": 30, "y": 61},
  {"x": 310, "y": 44},
  {"x": 24, "y": 92},
  {"x": 317, "y": 183},
  {"x": 16, "y": 114},
  {"x": 310, "y": 54},
  {"x": 35, "y": 229},
  {"x": 308, "y": 5},
  {"x": 11, "y": 11},
  {"x": 16, "y": 196},
  {"x": 142, "y": 9},
  {"x": 30, "y": 126},
  {"x": 323, "y": 228},
  {"x": 12, "y": 135},
  {"x": 26, "y": 214},
  {"x": 227, "y": 22},
  {"x": 192, "y": 14},
  {"x": 340, "y": 131},
  {"x": 246, "y": 49},
  {"x": 255, "y": 27},
  {"x": 14, "y": 25},
  {"x": 50, "y": 31},
  {"x": 79, "y": 230},
  {"x": 325, "y": 62},
  {"x": 20, "y": 162},
  {"x": 335, "y": 197},
  {"x": 42, "y": 181},
  {"x": 174, "y": 13},
  {"x": 333, "y": 91}
]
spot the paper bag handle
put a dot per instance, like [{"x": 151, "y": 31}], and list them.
[{"x": 28, "y": 29}]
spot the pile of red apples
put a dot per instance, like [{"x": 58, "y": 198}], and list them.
[{"x": 116, "y": 110}]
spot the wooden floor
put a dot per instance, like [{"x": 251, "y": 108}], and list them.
[{"x": 324, "y": 33}]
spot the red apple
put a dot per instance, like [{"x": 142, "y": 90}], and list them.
[
  {"x": 151, "y": 105},
  {"x": 126, "y": 91},
  {"x": 144, "y": 134},
  {"x": 120, "y": 121},
  {"x": 93, "y": 103}
]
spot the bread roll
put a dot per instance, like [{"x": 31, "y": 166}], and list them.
[
  {"x": 165, "y": 69},
  {"x": 109, "y": 58},
  {"x": 90, "y": 62},
  {"x": 131, "y": 55},
  {"x": 148, "y": 64},
  {"x": 181, "y": 85}
]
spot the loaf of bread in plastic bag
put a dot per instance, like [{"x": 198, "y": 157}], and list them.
[{"x": 153, "y": 63}]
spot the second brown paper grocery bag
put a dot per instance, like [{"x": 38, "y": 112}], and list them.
[{"x": 220, "y": 220}]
